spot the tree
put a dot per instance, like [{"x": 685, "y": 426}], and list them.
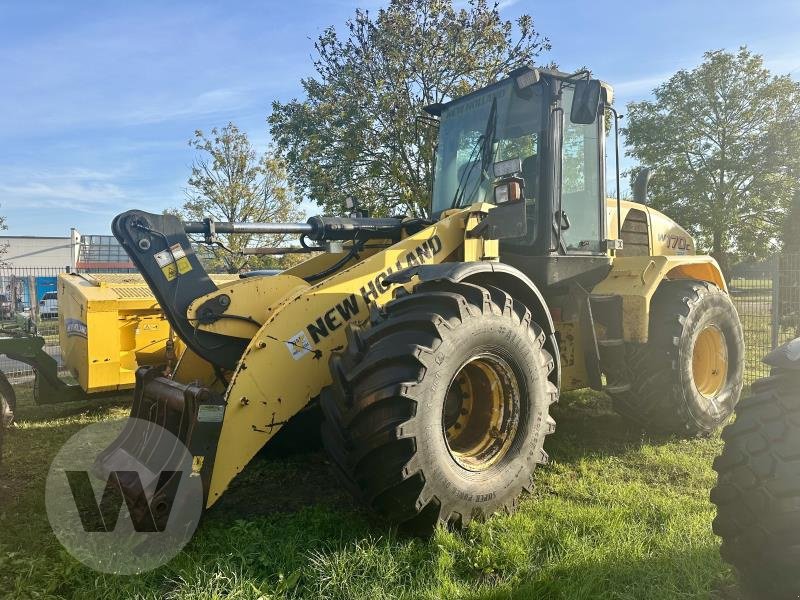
[
  {"x": 356, "y": 133},
  {"x": 230, "y": 181},
  {"x": 724, "y": 139}
]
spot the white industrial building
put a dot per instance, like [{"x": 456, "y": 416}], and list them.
[
  {"x": 29, "y": 265},
  {"x": 38, "y": 251},
  {"x": 74, "y": 252}
]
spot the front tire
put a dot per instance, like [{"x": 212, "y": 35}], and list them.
[
  {"x": 687, "y": 379},
  {"x": 439, "y": 410},
  {"x": 758, "y": 488}
]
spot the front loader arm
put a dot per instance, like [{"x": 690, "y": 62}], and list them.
[{"x": 285, "y": 365}]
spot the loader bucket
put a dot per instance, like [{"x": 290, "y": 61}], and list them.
[{"x": 191, "y": 414}]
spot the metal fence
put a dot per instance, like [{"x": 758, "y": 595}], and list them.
[
  {"x": 767, "y": 296},
  {"x": 26, "y": 302}
]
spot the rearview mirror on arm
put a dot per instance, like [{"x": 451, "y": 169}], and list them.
[{"x": 585, "y": 102}]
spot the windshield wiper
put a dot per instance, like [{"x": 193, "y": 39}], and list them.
[
  {"x": 459, "y": 195},
  {"x": 484, "y": 145},
  {"x": 488, "y": 146}
]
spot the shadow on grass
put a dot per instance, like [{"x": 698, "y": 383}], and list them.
[
  {"x": 586, "y": 425},
  {"x": 621, "y": 577},
  {"x": 283, "y": 484},
  {"x": 292, "y": 472},
  {"x": 30, "y": 445},
  {"x": 29, "y": 410}
]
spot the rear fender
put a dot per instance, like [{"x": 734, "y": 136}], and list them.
[{"x": 636, "y": 278}]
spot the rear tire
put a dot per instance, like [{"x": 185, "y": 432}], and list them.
[
  {"x": 438, "y": 411},
  {"x": 687, "y": 379},
  {"x": 758, "y": 488}
]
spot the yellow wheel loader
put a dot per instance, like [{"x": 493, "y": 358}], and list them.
[{"x": 435, "y": 348}]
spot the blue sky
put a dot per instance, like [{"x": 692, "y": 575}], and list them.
[{"x": 98, "y": 99}]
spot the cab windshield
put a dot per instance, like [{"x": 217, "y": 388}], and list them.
[{"x": 489, "y": 127}]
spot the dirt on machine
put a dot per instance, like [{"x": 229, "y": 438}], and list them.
[{"x": 434, "y": 348}]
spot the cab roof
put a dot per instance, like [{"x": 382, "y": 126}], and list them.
[{"x": 438, "y": 108}]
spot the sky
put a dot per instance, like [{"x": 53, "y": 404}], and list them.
[{"x": 98, "y": 99}]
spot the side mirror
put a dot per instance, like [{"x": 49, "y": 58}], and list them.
[
  {"x": 640, "y": 185},
  {"x": 585, "y": 101}
]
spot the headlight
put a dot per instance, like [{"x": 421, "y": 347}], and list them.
[{"x": 510, "y": 191}]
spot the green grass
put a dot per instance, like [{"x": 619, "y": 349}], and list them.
[{"x": 615, "y": 515}]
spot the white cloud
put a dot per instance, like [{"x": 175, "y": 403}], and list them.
[
  {"x": 787, "y": 64},
  {"x": 635, "y": 88},
  {"x": 77, "y": 189},
  {"x": 83, "y": 197},
  {"x": 206, "y": 103}
]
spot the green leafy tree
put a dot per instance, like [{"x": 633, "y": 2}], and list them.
[
  {"x": 231, "y": 181},
  {"x": 724, "y": 139},
  {"x": 356, "y": 134}
]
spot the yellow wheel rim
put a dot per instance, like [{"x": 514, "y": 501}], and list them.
[
  {"x": 481, "y": 412},
  {"x": 710, "y": 361}
]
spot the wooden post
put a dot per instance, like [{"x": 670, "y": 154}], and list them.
[
  {"x": 776, "y": 301},
  {"x": 34, "y": 298}
]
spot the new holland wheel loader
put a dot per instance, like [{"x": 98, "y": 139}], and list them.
[{"x": 435, "y": 348}]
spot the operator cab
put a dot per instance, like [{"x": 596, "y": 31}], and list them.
[{"x": 545, "y": 130}]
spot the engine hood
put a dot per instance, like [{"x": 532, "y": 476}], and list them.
[{"x": 639, "y": 222}]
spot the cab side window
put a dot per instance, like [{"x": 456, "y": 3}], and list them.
[{"x": 581, "y": 196}]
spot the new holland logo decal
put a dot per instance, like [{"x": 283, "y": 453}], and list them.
[
  {"x": 350, "y": 306},
  {"x": 75, "y": 328}
]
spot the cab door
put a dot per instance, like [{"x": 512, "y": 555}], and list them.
[{"x": 581, "y": 214}]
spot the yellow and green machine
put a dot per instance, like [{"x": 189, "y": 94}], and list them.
[
  {"x": 109, "y": 325},
  {"x": 434, "y": 348}
]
